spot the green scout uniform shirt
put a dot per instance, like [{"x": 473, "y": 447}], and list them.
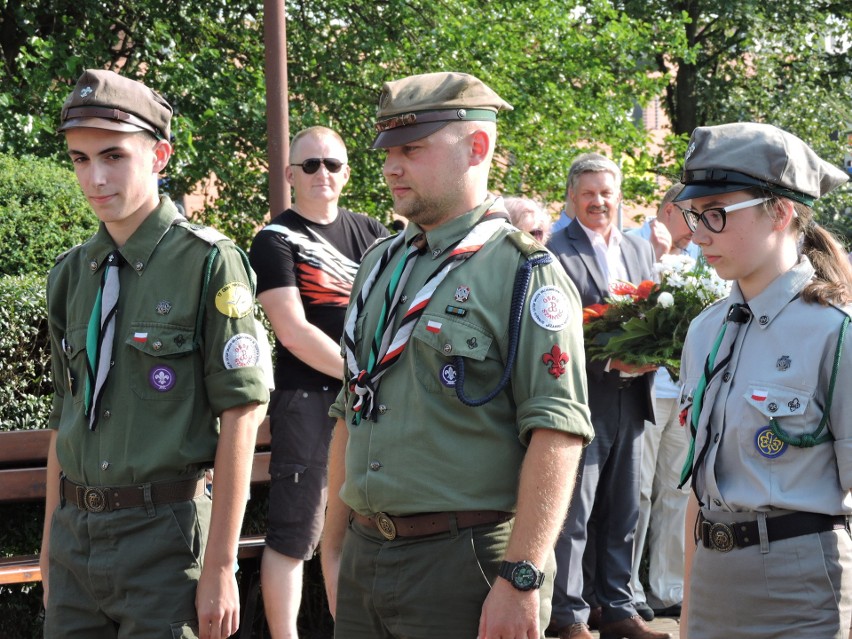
[
  {"x": 148, "y": 431},
  {"x": 429, "y": 452}
]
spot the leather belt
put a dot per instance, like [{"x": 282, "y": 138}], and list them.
[
  {"x": 429, "y": 523},
  {"x": 725, "y": 537},
  {"x": 96, "y": 499}
]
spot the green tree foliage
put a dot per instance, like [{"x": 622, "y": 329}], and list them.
[
  {"x": 573, "y": 72},
  {"x": 784, "y": 62}
]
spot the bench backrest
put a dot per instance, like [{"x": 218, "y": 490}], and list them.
[{"x": 23, "y": 463}]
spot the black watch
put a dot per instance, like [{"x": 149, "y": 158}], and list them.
[{"x": 523, "y": 575}]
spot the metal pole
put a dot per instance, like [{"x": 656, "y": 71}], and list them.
[{"x": 277, "y": 116}]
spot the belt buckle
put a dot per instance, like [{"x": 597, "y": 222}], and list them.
[
  {"x": 91, "y": 499},
  {"x": 721, "y": 537},
  {"x": 386, "y": 526}
]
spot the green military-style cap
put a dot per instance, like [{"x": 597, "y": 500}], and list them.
[
  {"x": 745, "y": 155},
  {"x": 415, "y": 107},
  {"x": 103, "y": 99}
]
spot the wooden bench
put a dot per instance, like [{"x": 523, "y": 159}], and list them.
[{"x": 23, "y": 469}]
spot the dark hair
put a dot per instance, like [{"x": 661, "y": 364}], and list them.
[{"x": 833, "y": 281}]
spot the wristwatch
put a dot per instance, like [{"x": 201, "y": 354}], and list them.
[{"x": 523, "y": 575}]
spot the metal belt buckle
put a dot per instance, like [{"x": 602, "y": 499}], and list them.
[
  {"x": 93, "y": 499},
  {"x": 721, "y": 537},
  {"x": 386, "y": 526}
]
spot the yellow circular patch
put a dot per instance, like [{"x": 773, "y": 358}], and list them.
[{"x": 234, "y": 300}]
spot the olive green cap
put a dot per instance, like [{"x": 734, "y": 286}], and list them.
[
  {"x": 417, "y": 106},
  {"x": 745, "y": 155},
  {"x": 103, "y": 99}
]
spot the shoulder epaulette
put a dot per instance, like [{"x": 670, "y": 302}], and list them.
[
  {"x": 377, "y": 242},
  {"x": 206, "y": 233},
  {"x": 65, "y": 254},
  {"x": 526, "y": 244}
]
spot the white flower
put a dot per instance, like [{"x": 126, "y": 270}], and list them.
[{"x": 665, "y": 299}]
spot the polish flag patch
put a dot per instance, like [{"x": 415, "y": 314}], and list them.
[
  {"x": 433, "y": 327},
  {"x": 140, "y": 337},
  {"x": 759, "y": 395}
]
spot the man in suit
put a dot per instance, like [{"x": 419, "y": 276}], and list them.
[{"x": 596, "y": 254}]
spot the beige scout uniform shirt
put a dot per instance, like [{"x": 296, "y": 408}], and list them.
[
  {"x": 160, "y": 406},
  {"x": 429, "y": 452},
  {"x": 781, "y": 367}
]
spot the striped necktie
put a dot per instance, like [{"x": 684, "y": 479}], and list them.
[
  {"x": 100, "y": 337},
  {"x": 738, "y": 315}
]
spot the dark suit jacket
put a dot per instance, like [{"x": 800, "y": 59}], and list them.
[{"x": 572, "y": 248}]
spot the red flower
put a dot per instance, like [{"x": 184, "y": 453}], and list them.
[
  {"x": 623, "y": 288},
  {"x": 593, "y": 311},
  {"x": 645, "y": 289}
]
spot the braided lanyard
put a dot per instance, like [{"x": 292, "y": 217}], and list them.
[{"x": 387, "y": 347}]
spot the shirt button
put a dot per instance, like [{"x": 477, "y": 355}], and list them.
[
  {"x": 157, "y": 345},
  {"x": 436, "y": 252},
  {"x": 726, "y": 377},
  {"x": 448, "y": 348},
  {"x": 93, "y": 265},
  {"x": 403, "y": 299},
  {"x": 104, "y": 465},
  {"x": 382, "y": 409},
  {"x": 107, "y": 414},
  {"x": 139, "y": 265},
  {"x": 764, "y": 320},
  {"x": 375, "y": 465}
]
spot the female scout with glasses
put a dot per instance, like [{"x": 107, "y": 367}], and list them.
[{"x": 766, "y": 377}]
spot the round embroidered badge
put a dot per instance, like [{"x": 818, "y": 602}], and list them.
[
  {"x": 234, "y": 300},
  {"x": 549, "y": 308},
  {"x": 162, "y": 378},
  {"x": 241, "y": 350},
  {"x": 448, "y": 375},
  {"x": 768, "y": 444}
]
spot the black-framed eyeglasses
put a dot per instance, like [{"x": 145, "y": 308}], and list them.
[
  {"x": 716, "y": 218},
  {"x": 312, "y": 165}
]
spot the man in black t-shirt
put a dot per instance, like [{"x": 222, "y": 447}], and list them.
[{"x": 305, "y": 261}]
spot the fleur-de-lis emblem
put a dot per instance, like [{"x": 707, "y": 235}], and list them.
[{"x": 556, "y": 361}]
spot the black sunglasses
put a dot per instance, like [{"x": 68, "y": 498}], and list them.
[{"x": 312, "y": 165}]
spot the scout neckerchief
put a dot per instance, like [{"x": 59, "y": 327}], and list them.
[
  {"x": 738, "y": 314},
  {"x": 387, "y": 347},
  {"x": 100, "y": 336}
]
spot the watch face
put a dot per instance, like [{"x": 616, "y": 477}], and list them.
[{"x": 524, "y": 576}]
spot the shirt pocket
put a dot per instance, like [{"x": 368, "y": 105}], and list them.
[
  {"x": 74, "y": 362},
  {"x": 438, "y": 340},
  {"x": 163, "y": 363},
  {"x": 789, "y": 408}
]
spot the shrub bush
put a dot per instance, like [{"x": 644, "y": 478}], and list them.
[
  {"x": 25, "y": 384},
  {"x": 42, "y": 213}
]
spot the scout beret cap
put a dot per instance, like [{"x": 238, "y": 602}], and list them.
[
  {"x": 744, "y": 155},
  {"x": 103, "y": 99},
  {"x": 415, "y": 107}
]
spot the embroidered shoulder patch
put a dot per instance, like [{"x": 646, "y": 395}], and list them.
[
  {"x": 241, "y": 350},
  {"x": 234, "y": 300},
  {"x": 549, "y": 308}
]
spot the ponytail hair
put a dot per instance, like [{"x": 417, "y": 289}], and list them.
[{"x": 832, "y": 283}]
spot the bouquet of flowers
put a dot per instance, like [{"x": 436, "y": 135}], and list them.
[{"x": 646, "y": 324}]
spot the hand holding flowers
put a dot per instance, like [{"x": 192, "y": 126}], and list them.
[{"x": 646, "y": 324}]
